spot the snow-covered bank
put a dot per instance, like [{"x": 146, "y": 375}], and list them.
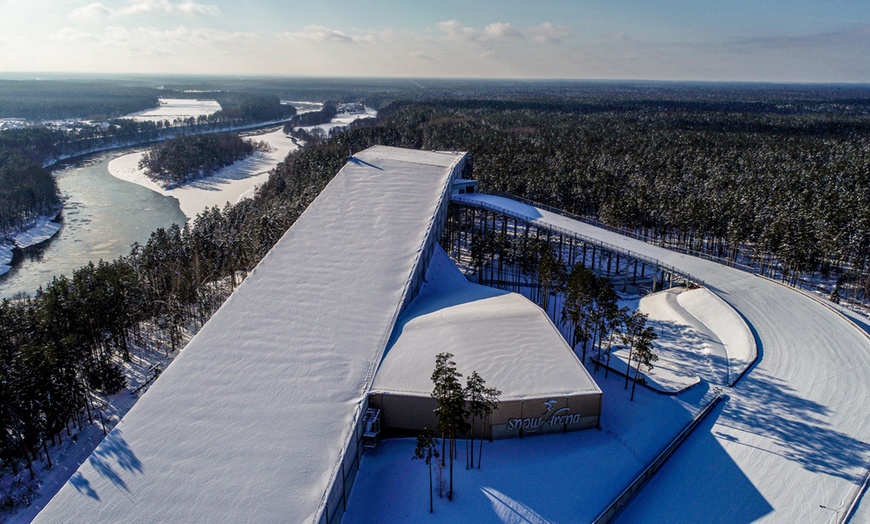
[
  {"x": 729, "y": 327},
  {"x": 35, "y": 233},
  {"x": 5, "y": 258},
  {"x": 700, "y": 336},
  {"x": 230, "y": 184}
]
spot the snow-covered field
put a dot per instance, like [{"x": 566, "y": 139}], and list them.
[
  {"x": 792, "y": 436},
  {"x": 341, "y": 120},
  {"x": 172, "y": 108},
  {"x": 230, "y": 184}
]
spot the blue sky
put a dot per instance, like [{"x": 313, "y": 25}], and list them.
[{"x": 741, "y": 40}]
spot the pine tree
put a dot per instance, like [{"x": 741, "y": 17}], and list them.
[
  {"x": 427, "y": 449},
  {"x": 634, "y": 325},
  {"x": 576, "y": 308},
  {"x": 451, "y": 410},
  {"x": 643, "y": 349},
  {"x": 482, "y": 401}
]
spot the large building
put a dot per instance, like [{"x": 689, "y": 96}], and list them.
[
  {"x": 262, "y": 416},
  {"x": 503, "y": 336}
]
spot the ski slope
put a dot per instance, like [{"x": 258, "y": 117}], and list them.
[
  {"x": 792, "y": 436},
  {"x": 248, "y": 423}
]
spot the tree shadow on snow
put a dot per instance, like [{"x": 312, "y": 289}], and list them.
[
  {"x": 684, "y": 345},
  {"x": 82, "y": 485},
  {"x": 769, "y": 407},
  {"x": 114, "y": 450}
]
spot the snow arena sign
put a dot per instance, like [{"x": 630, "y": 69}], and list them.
[{"x": 551, "y": 417}]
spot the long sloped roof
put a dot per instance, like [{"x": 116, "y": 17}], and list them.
[{"x": 248, "y": 422}]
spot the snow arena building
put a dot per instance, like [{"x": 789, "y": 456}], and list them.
[
  {"x": 503, "y": 336},
  {"x": 264, "y": 415}
]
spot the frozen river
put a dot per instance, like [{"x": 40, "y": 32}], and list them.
[{"x": 102, "y": 218}]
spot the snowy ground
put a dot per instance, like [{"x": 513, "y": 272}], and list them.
[
  {"x": 230, "y": 184},
  {"x": 341, "y": 120},
  {"x": 792, "y": 436},
  {"x": 700, "y": 337},
  {"x": 172, "y": 108},
  {"x": 596, "y": 465},
  {"x": 303, "y": 106},
  {"x": 550, "y": 478},
  {"x": 39, "y": 231}
]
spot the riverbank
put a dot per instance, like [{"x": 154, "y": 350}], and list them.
[
  {"x": 40, "y": 230},
  {"x": 230, "y": 184}
]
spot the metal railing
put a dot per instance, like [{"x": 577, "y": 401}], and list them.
[
  {"x": 629, "y": 233},
  {"x": 622, "y": 500},
  {"x": 462, "y": 199}
]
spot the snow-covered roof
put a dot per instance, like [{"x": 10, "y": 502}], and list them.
[
  {"x": 503, "y": 336},
  {"x": 249, "y": 421}
]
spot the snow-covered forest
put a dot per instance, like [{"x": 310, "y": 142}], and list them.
[
  {"x": 778, "y": 182},
  {"x": 186, "y": 158}
]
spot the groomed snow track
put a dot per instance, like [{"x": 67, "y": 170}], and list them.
[{"x": 790, "y": 442}]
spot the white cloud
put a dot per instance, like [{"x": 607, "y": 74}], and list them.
[
  {"x": 319, "y": 33},
  {"x": 90, "y": 11},
  {"x": 420, "y": 55},
  {"x": 454, "y": 29},
  {"x": 145, "y": 7},
  {"x": 548, "y": 33},
  {"x": 181, "y": 36},
  {"x": 68, "y": 34},
  {"x": 500, "y": 31},
  {"x": 496, "y": 31}
]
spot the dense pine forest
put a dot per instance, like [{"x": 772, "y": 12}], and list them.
[
  {"x": 781, "y": 184},
  {"x": 26, "y": 191},
  {"x": 188, "y": 158},
  {"x": 58, "y": 100}
]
